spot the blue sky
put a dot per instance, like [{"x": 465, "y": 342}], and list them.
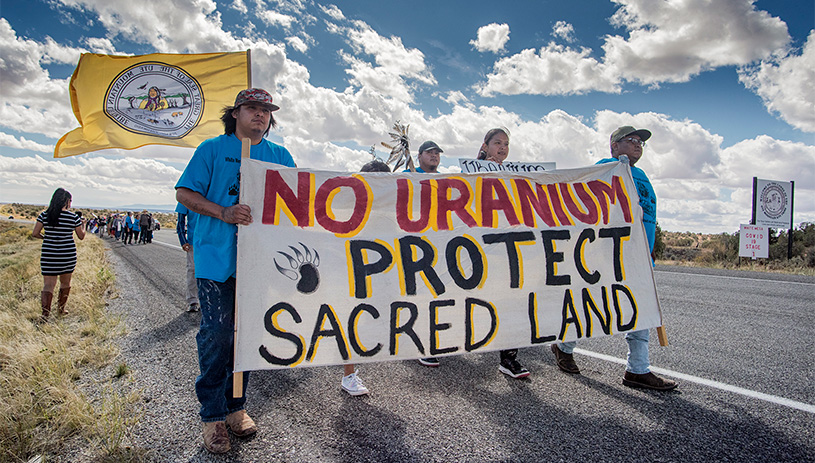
[{"x": 726, "y": 86}]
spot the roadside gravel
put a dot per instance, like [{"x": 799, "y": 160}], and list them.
[{"x": 466, "y": 410}]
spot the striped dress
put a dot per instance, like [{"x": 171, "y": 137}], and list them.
[{"x": 58, "y": 248}]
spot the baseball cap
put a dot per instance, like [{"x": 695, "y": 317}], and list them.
[
  {"x": 627, "y": 130},
  {"x": 255, "y": 95},
  {"x": 429, "y": 145}
]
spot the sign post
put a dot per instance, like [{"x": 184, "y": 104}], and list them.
[{"x": 772, "y": 206}]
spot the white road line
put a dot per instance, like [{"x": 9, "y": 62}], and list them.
[
  {"x": 710, "y": 383},
  {"x": 737, "y": 278},
  {"x": 174, "y": 246}
]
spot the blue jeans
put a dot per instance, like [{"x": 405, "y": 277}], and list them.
[
  {"x": 638, "y": 361},
  {"x": 215, "y": 349}
]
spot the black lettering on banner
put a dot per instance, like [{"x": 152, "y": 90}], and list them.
[
  {"x": 579, "y": 261},
  {"x": 453, "y": 267},
  {"x": 362, "y": 270},
  {"x": 589, "y": 307},
  {"x": 268, "y": 323},
  {"x": 569, "y": 316},
  {"x": 552, "y": 257},
  {"x": 406, "y": 328},
  {"x": 423, "y": 264},
  {"x": 469, "y": 306},
  {"x": 435, "y": 327},
  {"x": 633, "y": 322},
  {"x": 327, "y": 314},
  {"x": 359, "y": 349},
  {"x": 533, "y": 322},
  {"x": 511, "y": 240},
  {"x": 617, "y": 234}
]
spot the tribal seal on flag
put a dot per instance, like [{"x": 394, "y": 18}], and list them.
[{"x": 154, "y": 98}]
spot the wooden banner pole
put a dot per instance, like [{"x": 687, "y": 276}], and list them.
[
  {"x": 663, "y": 336},
  {"x": 237, "y": 376}
]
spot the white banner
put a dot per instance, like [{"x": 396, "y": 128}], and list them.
[
  {"x": 754, "y": 241},
  {"x": 773, "y": 200},
  {"x": 340, "y": 267}
]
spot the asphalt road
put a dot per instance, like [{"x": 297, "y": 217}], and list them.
[{"x": 741, "y": 346}]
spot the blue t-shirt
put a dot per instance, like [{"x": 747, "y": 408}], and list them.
[
  {"x": 648, "y": 200},
  {"x": 418, "y": 169},
  {"x": 185, "y": 225},
  {"x": 214, "y": 171}
]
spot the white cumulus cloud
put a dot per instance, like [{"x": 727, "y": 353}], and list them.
[
  {"x": 491, "y": 37},
  {"x": 787, "y": 85},
  {"x": 666, "y": 42},
  {"x": 563, "y": 30}
]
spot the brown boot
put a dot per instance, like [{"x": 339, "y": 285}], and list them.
[
  {"x": 63, "y": 299},
  {"x": 241, "y": 424},
  {"x": 216, "y": 439},
  {"x": 45, "y": 298}
]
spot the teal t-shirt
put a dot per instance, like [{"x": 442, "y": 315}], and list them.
[
  {"x": 648, "y": 200},
  {"x": 214, "y": 171}
]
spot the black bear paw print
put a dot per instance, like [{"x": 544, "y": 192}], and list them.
[{"x": 302, "y": 268}]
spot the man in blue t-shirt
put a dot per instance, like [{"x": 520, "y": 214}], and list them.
[
  {"x": 429, "y": 158},
  {"x": 209, "y": 187},
  {"x": 184, "y": 229},
  {"x": 630, "y": 142}
]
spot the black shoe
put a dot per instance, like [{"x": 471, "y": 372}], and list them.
[
  {"x": 648, "y": 381},
  {"x": 565, "y": 361},
  {"x": 193, "y": 307},
  {"x": 429, "y": 362},
  {"x": 512, "y": 368}
]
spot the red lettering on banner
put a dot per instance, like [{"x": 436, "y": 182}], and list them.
[
  {"x": 324, "y": 214},
  {"x": 591, "y": 215},
  {"x": 278, "y": 196},
  {"x": 557, "y": 205},
  {"x": 537, "y": 200},
  {"x": 606, "y": 194},
  {"x": 448, "y": 205},
  {"x": 494, "y": 197},
  {"x": 404, "y": 205}
]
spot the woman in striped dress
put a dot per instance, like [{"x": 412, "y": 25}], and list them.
[{"x": 58, "y": 258}]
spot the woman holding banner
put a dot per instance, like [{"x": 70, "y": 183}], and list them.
[{"x": 496, "y": 148}]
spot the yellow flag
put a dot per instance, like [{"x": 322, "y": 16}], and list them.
[{"x": 159, "y": 99}]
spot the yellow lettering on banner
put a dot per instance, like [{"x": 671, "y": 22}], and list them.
[
  {"x": 359, "y": 264},
  {"x": 569, "y": 316},
  {"x": 273, "y": 327},
  {"x": 436, "y": 328},
  {"x": 533, "y": 321},
  {"x": 353, "y": 323},
  {"x": 470, "y": 344},
  {"x": 589, "y": 307},
  {"x": 327, "y": 314},
  {"x": 478, "y": 261}
]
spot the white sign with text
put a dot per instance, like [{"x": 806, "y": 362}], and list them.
[
  {"x": 475, "y": 166},
  {"x": 754, "y": 241}
]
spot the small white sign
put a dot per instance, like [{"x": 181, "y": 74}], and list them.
[
  {"x": 475, "y": 166},
  {"x": 772, "y": 205},
  {"x": 754, "y": 241}
]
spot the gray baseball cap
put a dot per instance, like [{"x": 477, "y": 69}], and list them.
[
  {"x": 429, "y": 145},
  {"x": 627, "y": 130}
]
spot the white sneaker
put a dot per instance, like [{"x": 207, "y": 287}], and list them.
[{"x": 353, "y": 385}]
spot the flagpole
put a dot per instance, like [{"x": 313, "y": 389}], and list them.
[{"x": 249, "y": 68}]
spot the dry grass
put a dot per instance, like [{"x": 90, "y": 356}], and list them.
[{"x": 41, "y": 402}]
